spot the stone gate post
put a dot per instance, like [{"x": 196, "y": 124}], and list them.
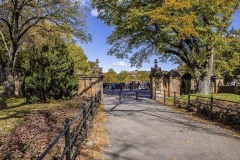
[
  {"x": 174, "y": 83},
  {"x": 156, "y": 82},
  {"x": 89, "y": 85}
]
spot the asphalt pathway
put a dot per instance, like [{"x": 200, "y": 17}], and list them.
[{"x": 147, "y": 130}]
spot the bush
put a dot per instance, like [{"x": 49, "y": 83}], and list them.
[{"x": 50, "y": 75}]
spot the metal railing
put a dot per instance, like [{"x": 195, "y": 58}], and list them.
[
  {"x": 171, "y": 97},
  {"x": 78, "y": 136}
]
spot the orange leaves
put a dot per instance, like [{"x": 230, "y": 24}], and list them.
[{"x": 177, "y": 15}]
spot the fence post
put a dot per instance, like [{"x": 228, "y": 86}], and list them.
[
  {"x": 92, "y": 108},
  {"x": 164, "y": 97},
  {"x": 96, "y": 97},
  {"x": 188, "y": 105},
  {"x": 67, "y": 139},
  {"x": 155, "y": 93},
  {"x": 120, "y": 96},
  {"x": 174, "y": 99},
  {"x": 211, "y": 108},
  {"x": 136, "y": 95},
  {"x": 85, "y": 122}
]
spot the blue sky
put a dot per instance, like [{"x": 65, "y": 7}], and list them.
[{"x": 98, "y": 48}]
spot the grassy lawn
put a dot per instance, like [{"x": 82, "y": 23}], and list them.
[
  {"x": 13, "y": 110},
  {"x": 222, "y": 96}
]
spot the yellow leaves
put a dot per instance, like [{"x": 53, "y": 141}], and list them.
[
  {"x": 193, "y": 18},
  {"x": 178, "y": 16},
  {"x": 177, "y": 4}
]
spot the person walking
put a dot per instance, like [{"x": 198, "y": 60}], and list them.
[{"x": 113, "y": 86}]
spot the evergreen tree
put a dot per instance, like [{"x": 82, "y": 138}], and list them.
[{"x": 50, "y": 75}]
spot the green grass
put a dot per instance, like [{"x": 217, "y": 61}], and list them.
[
  {"x": 1, "y": 90},
  {"x": 13, "y": 110},
  {"x": 222, "y": 96}
]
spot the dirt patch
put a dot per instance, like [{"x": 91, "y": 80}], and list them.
[
  {"x": 29, "y": 139},
  {"x": 97, "y": 139}
]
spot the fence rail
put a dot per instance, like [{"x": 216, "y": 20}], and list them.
[
  {"x": 80, "y": 132},
  {"x": 209, "y": 103}
]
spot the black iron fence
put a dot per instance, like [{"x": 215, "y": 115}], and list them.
[
  {"x": 79, "y": 134},
  {"x": 213, "y": 108}
]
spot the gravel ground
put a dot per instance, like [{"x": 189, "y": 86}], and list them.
[{"x": 147, "y": 130}]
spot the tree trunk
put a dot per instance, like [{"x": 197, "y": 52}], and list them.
[
  {"x": 204, "y": 84},
  {"x": 9, "y": 83},
  {"x": 2, "y": 72}
]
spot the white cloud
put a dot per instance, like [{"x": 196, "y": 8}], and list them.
[
  {"x": 94, "y": 12},
  {"x": 106, "y": 66},
  {"x": 86, "y": 3},
  {"x": 120, "y": 64}
]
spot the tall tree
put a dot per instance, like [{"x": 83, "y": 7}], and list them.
[
  {"x": 110, "y": 77},
  {"x": 49, "y": 74},
  {"x": 143, "y": 76},
  {"x": 80, "y": 59},
  {"x": 122, "y": 76},
  {"x": 183, "y": 31},
  {"x": 18, "y": 17}
]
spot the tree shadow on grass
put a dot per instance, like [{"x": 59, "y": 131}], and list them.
[
  {"x": 4, "y": 105},
  {"x": 17, "y": 114}
]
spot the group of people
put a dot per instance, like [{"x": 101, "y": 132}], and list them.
[
  {"x": 131, "y": 86},
  {"x": 120, "y": 86}
]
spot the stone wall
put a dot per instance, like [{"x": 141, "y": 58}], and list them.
[
  {"x": 160, "y": 83},
  {"x": 229, "y": 89},
  {"x": 89, "y": 85}
]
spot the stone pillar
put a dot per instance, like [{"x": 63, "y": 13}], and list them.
[
  {"x": 156, "y": 82},
  {"x": 89, "y": 85},
  {"x": 237, "y": 85},
  {"x": 174, "y": 86},
  {"x": 174, "y": 83},
  {"x": 217, "y": 81}
]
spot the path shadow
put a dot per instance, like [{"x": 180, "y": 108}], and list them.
[
  {"x": 169, "y": 116},
  {"x": 119, "y": 154},
  {"x": 127, "y": 93}
]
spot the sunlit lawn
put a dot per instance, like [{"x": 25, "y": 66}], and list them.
[
  {"x": 13, "y": 110},
  {"x": 221, "y": 96}
]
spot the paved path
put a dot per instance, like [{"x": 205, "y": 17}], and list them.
[{"x": 146, "y": 130}]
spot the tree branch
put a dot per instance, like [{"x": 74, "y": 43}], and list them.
[{"x": 4, "y": 41}]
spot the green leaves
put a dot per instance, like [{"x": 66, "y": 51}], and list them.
[
  {"x": 79, "y": 58},
  {"x": 110, "y": 77},
  {"x": 50, "y": 75}
]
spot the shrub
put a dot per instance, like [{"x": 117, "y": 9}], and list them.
[{"x": 50, "y": 75}]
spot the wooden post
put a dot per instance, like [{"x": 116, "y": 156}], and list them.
[{"x": 67, "y": 139}]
